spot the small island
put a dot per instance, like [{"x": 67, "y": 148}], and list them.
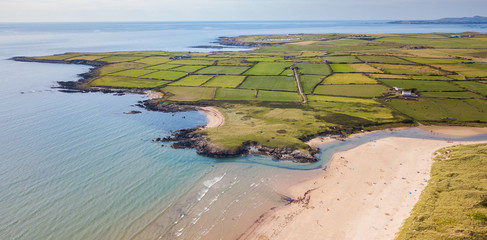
[{"x": 293, "y": 88}]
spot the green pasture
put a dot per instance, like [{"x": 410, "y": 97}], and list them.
[
  {"x": 234, "y": 62},
  {"x": 193, "y": 62},
  {"x": 163, "y": 66},
  {"x": 363, "y": 67},
  {"x": 341, "y": 59},
  {"x": 227, "y": 81},
  {"x": 313, "y": 68},
  {"x": 384, "y": 59},
  {"x": 409, "y": 69},
  {"x": 218, "y": 70},
  {"x": 192, "y": 80},
  {"x": 278, "y": 96},
  {"x": 309, "y": 82},
  {"x": 342, "y": 68},
  {"x": 450, "y": 94},
  {"x": 278, "y": 83},
  {"x": 268, "y": 68},
  {"x": 166, "y": 75},
  {"x": 153, "y": 60},
  {"x": 116, "y": 59},
  {"x": 421, "y": 85},
  {"x": 235, "y": 94},
  {"x": 187, "y": 68},
  {"x": 435, "y": 109},
  {"x": 435, "y": 60},
  {"x": 348, "y": 78},
  {"x": 468, "y": 70},
  {"x": 474, "y": 86},
  {"x": 367, "y": 91},
  {"x": 189, "y": 94},
  {"x": 133, "y": 72},
  {"x": 126, "y": 82}
]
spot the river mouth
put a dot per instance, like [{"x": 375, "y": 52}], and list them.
[{"x": 237, "y": 191}]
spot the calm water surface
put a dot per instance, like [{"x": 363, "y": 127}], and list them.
[{"x": 73, "y": 166}]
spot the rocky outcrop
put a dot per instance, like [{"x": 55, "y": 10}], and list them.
[{"x": 190, "y": 138}]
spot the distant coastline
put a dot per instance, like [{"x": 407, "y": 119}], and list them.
[{"x": 464, "y": 20}]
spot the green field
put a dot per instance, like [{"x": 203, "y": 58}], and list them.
[
  {"x": 133, "y": 72},
  {"x": 268, "y": 68},
  {"x": 153, "y": 60},
  {"x": 421, "y": 85},
  {"x": 278, "y": 96},
  {"x": 383, "y": 59},
  {"x": 187, "y": 68},
  {"x": 115, "y": 59},
  {"x": 309, "y": 82},
  {"x": 313, "y": 68},
  {"x": 450, "y": 94},
  {"x": 281, "y": 83},
  {"x": 163, "y": 66},
  {"x": 177, "y": 93},
  {"x": 435, "y": 60},
  {"x": 367, "y": 91},
  {"x": 231, "y": 70},
  {"x": 227, "y": 81},
  {"x": 409, "y": 69},
  {"x": 435, "y": 109},
  {"x": 193, "y": 62},
  {"x": 166, "y": 75},
  {"x": 477, "y": 87},
  {"x": 192, "y": 80},
  {"x": 348, "y": 78},
  {"x": 365, "y": 68},
  {"x": 342, "y": 59},
  {"x": 126, "y": 82},
  {"x": 454, "y": 203},
  {"x": 469, "y": 70},
  {"x": 342, "y": 68},
  {"x": 235, "y": 94}
]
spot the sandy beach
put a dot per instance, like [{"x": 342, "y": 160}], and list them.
[
  {"x": 361, "y": 195},
  {"x": 215, "y": 117}
]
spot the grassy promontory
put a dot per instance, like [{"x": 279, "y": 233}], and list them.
[
  {"x": 454, "y": 204},
  {"x": 343, "y": 83}
]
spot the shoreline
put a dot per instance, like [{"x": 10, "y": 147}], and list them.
[{"x": 354, "y": 199}]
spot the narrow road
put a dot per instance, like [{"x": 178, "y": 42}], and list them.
[{"x": 298, "y": 82}]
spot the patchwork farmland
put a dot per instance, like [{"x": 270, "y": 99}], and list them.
[{"x": 348, "y": 83}]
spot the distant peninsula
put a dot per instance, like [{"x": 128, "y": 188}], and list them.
[{"x": 463, "y": 20}]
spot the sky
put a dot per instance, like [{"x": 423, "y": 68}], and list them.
[{"x": 233, "y": 10}]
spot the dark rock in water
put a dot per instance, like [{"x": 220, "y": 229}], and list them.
[
  {"x": 133, "y": 112},
  {"x": 168, "y": 107}
]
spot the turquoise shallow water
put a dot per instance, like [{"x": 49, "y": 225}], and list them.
[{"x": 73, "y": 166}]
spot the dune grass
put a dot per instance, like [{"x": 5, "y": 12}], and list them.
[{"x": 454, "y": 204}]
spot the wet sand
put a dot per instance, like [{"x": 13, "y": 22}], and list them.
[
  {"x": 455, "y": 131},
  {"x": 365, "y": 193}
]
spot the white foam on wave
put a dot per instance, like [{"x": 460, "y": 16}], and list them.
[
  {"x": 211, "y": 182},
  {"x": 208, "y": 184},
  {"x": 179, "y": 232}
]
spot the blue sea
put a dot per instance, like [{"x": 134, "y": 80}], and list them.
[{"x": 73, "y": 166}]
